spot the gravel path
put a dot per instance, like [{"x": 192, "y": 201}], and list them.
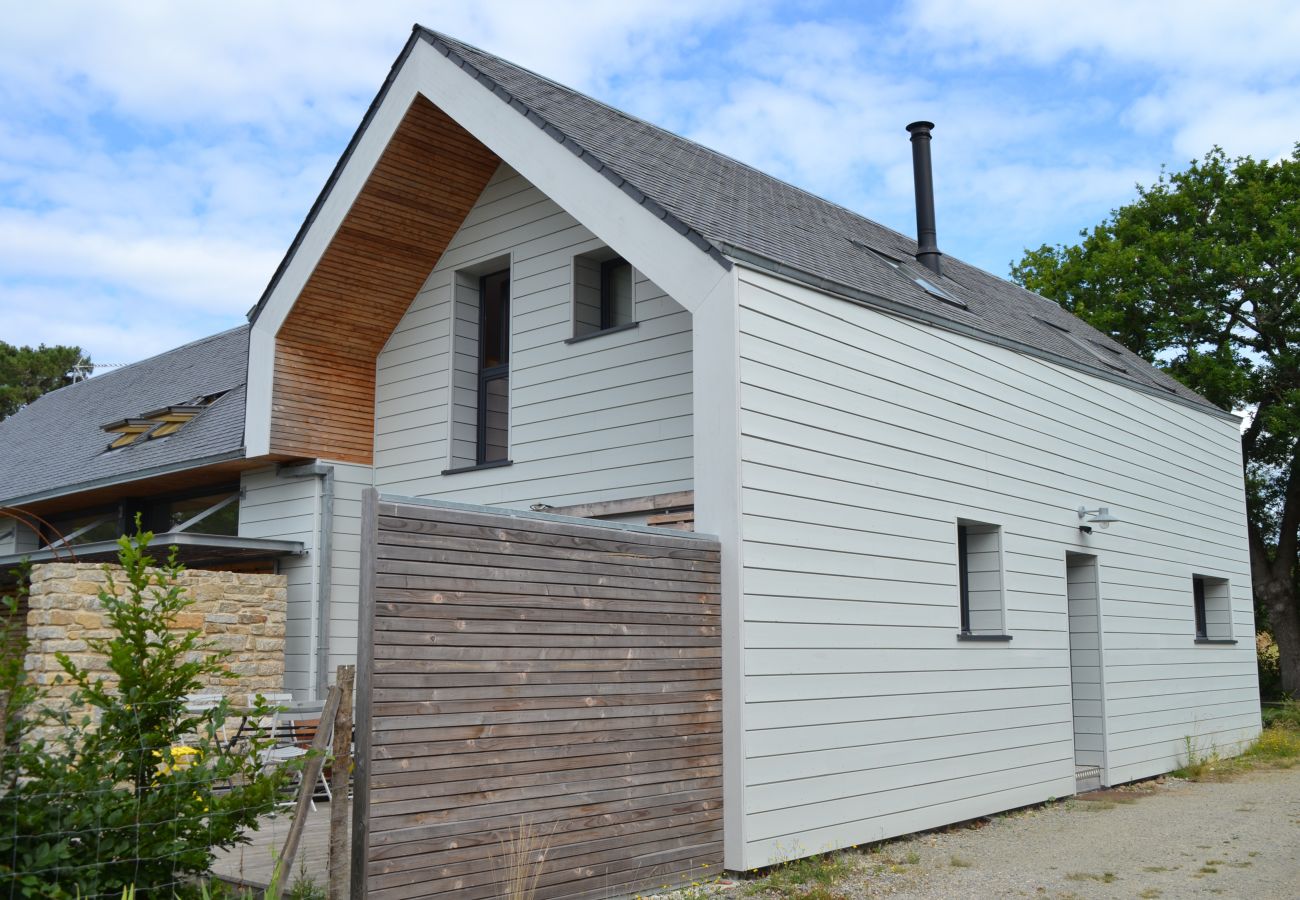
[{"x": 1170, "y": 839}]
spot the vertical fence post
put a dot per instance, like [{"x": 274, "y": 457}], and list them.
[
  {"x": 306, "y": 787},
  {"x": 340, "y": 823},
  {"x": 365, "y": 671}
]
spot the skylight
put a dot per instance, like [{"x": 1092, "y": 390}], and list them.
[
  {"x": 1091, "y": 347},
  {"x": 158, "y": 423},
  {"x": 924, "y": 281}
]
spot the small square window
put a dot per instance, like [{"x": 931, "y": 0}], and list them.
[
  {"x": 1212, "y": 609},
  {"x": 979, "y": 574},
  {"x": 603, "y": 293}
]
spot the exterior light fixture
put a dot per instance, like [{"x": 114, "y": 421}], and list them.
[{"x": 1099, "y": 516}]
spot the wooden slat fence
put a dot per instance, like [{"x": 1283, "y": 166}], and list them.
[{"x": 540, "y": 670}]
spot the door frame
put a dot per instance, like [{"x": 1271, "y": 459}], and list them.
[{"x": 1101, "y": 657}]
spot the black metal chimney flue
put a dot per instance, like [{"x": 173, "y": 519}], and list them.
[{"x": 927, "y": 252}]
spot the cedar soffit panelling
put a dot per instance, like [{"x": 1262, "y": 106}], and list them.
[{"x": 425, "y": 183}]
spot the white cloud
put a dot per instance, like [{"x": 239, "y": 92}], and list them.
[{"x": 156, "y": 159}]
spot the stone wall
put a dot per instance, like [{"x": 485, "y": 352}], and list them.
[{"x": 240, "y": 612}]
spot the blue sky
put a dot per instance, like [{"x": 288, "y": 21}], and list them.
[{"x": 157, "y": 158}]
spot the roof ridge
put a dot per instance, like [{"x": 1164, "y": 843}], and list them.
[
  {"x": 108, "y": 376},
  {"x": 450, "y": 41}
]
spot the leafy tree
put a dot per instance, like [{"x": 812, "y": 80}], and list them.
[
  {"x": 28, "y": 372},
  {"x": 1201, "y": 276},
  {"x": 140, "y": 792}
]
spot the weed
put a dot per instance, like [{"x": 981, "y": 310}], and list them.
[
  {"x": 1208, "y": 870},
  {"x": 523, "y": 855},
  {"x": 1149, "y": 893},
  {"x": 1156, "y": 869},
  {"x": 912, "y": 858},
  {"x": 1104, "y": 877},
  {"x": 805, "y": 878},
  {"x": 960, "y": 862},
  {"x": 1279, "y": 744},
  {"x": 1095, "y": 806}
]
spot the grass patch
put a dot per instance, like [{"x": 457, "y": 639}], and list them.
[
  {"x": 1104, "y": 877},
  {"x": 1095, "y": 805},
  {"x": 1156, "y": 869},
  {"x": 807, "y": 878},
  {"x": 1208, "y": 870},
  {"x": 1277, "y": 747},
  {"x": 1149, "y": 893},
  {"x": 960, "y": 862},
  {"x": 1279, "y": 744}
]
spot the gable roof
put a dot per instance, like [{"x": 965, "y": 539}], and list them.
[
  {"x": 732, "y": 210},
  {"x": 57, "y": 444}
]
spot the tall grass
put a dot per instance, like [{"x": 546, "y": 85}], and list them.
[{"x": 522, "y": 860}]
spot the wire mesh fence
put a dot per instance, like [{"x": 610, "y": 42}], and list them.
[{"x": 160, "y": 797}]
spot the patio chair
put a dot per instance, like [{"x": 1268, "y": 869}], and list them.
[{"x": 291, "y": 740}]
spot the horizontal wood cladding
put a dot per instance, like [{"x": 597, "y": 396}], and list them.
[
  {"x": 529, "y": 669},
  {"x": 426, "y": 181}
]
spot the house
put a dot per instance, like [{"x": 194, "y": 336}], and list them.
[{"x": 509, "y": 294}]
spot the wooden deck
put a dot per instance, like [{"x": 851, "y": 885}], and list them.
[{"x": 254, "y": 862}]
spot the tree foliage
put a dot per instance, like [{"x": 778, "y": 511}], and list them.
[
  {"x": 28, "y": 372},
  {"x": 1201, "y": 276},
  {"x": 141, "y": 790}
]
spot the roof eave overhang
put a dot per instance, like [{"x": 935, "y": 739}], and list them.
[
  {"x": 755, "y": 261},
  {"x": 680, "y": 261},
  {"x": 125, "y": 478}
]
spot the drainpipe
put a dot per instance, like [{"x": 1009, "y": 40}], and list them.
[{"x": 324, "y": 550}]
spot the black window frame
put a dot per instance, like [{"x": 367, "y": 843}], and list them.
[
  {"x": 963, "y": 579},
  {"x": 489, "y": 374},
  {"x": 607, "y": 269},
  {"x": 1198, "y": 607}
]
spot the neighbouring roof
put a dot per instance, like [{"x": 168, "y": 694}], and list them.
[
  {"x": 734, "y": 210},
  {"x": 58, "y": 445}
]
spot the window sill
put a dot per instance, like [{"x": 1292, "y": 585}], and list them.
[
  {"x": 1216, "y": 641},
  {"x": 967, "y": 636},
  {"x": 495, "y": 464},
  {"x": 579, "y": 338}
]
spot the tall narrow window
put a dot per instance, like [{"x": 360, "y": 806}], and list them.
[
  {"x": 494, "y": 367},
  {"x": 979, "y": 581},
  {"x": 1198, "y": 601}
]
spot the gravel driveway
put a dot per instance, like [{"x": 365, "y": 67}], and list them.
[
  {"x": 1237, "y": 839},
  {"x": 1170, "y": 839}
]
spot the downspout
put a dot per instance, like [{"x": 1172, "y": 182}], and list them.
[{"x": 324, "y": 549}]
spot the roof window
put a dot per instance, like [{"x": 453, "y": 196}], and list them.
[
  {"x": 1091, "y": 347},
  {"x": 158, "y": 423},
  {"x": 925, "y": 282}
]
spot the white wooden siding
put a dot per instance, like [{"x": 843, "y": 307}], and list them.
[
  {"x": 345, "y": 563},
  {"x": 604, "y": 418},
  {"x": 864, "y": 439},
  {"x": 288, "y": 509}
]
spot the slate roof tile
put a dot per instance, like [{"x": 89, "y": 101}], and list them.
[
  {"x": 58, "y": 444},
  {"x": 732, "y": 205}
]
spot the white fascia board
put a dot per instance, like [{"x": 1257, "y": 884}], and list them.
[
  {"x": 716, "y": 408},
  {"x": 669, "y": 259}
]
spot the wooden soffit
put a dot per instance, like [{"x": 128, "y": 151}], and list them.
[{"x": 426, "y": 181}]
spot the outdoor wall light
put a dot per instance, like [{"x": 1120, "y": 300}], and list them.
[{"x": 1099, "y": 516}]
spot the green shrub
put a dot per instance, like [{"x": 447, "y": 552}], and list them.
[
  {"x": 139, "y": 791},
  {"x": 1285, "y": 714}
]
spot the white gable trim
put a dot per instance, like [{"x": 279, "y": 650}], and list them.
[{"x": 668, "y": 258}]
